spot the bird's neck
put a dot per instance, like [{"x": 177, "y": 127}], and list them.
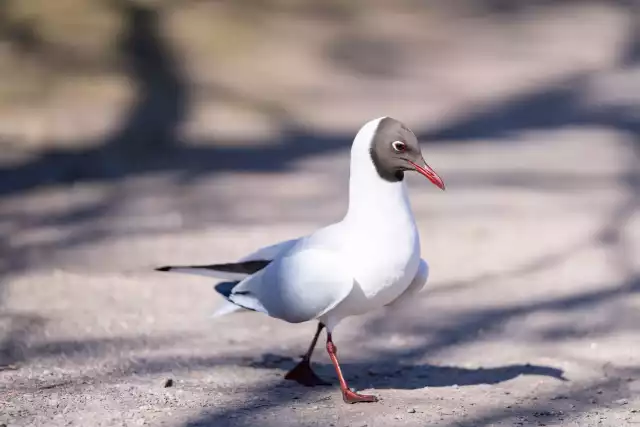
[{"x": 371, "y": 198}]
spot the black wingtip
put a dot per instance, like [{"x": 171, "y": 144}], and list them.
[
  {"x": 225, "y": 288},
  {"x": 163, "y": 269}
]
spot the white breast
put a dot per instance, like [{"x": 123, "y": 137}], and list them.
[
  {"x": 386, "y": 260},
  {"x": 381, "y": 243},
  {"x": 383, "y": 261}
]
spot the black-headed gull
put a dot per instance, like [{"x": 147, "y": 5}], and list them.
[{"x": 368, "y": 260}]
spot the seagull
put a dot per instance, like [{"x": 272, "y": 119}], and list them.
[{"x": 369, "y": 260}]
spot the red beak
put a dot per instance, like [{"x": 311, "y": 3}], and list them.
[{"x": 429, "y": 173}]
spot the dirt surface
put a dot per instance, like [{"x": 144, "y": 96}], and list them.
[{"x": 532, "y": 309}]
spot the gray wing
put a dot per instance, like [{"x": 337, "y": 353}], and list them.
[
  {"x": 299, "y": 286},
  {"x": 270, "y": 252}
]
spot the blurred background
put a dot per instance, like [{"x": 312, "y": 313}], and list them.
[{"x": 143, "y": 133}]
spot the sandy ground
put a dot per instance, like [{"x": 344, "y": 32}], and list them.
[{"x": 531, "y": 313}]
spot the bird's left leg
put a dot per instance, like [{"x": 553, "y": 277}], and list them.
[{"x": 303, "y": 373}]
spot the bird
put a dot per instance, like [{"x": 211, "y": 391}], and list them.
[{"x": 369, "y": 260}]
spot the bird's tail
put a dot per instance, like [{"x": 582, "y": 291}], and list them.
[
  {"x": 235, "y": 272},
  {"x": 227, "y": 307},
  {"x": 231, "y": 271}
]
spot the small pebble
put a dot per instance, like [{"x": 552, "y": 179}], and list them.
[{"x": 168, "y": 383}]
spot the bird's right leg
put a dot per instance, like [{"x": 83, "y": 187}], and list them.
[
  {"x": 303, "y": 373},
  {"x": 348, "y": 395}
]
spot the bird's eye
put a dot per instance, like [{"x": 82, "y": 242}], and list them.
[{"x": 399, "y": 146}]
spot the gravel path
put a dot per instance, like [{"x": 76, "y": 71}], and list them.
[{"x": 530, "y": 318}]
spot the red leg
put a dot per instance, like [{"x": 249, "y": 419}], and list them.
[
  {"x": 302, "y": 373},
  {"x": 347, "y": 395}
]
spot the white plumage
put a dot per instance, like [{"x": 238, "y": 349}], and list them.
[{"x": 368, "y": 260}]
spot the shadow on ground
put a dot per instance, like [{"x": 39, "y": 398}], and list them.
[{"x": 138, "y": 148}]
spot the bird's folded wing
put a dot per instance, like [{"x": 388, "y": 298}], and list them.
[
  {"x": 269, "y": 252},
  {"x": 299, "y": 286}
]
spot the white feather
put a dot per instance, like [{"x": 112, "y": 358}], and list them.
[
  {"x": 225, "y": 308},
  {"x": 368, "y": 260},
  {"x": 269, "y": 252},
  {"x": 364, "y": 262}
]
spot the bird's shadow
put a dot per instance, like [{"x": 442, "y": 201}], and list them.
[{"x": 385, "y": 375}]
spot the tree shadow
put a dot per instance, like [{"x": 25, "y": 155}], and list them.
[
  {"x": 379, "y": 373},
  {"x": 148, "y": 138},
  {"x": 150, "y": 124},
  {"x": 22, "y": 35},
  {"x": 162, "y": 103},
  {"x": 561, "y": 105},
  {"x": 546, "y": 410},
  {"x": 16, "y": 330},
  {"x": 397, "y": 370},
  {"x": 386, "y": 368},
  {"x": 280, "y": 393},
  {"x": 163, "y": 95},
  {"x": 21, "y": 340}
]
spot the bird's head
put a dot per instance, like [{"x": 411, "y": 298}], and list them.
[{"x": 395, "y": 149}]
